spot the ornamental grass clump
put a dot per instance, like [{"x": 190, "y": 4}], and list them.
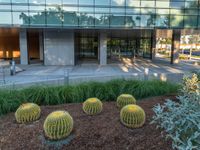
[
  {"x": 132, "y": 116},
  {"x": 181, "y": 119},
  {"x": 92, "y": 106},
  {"x": 58, "y": 125},
  {"x": 125, "y": 99},
  {"x": 27, "y": 113}
]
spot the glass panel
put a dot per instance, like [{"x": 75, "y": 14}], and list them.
[
  {"x": 133, "y": 10},
  {"x": 102, "y": 20},
  {"x": 147, "y": 3},
  {"x": 117, "y": 21},
  {"x": 70, "y": 9},
  {"x": 102, "y": 2},
  {"x": 162, "y": 20},
  {"x": 5, "y": 7},
  {"x": 20, "y": 7},
  {"x": 191, "y": 4},
  {"x": 147, "y": 20},
  {"x": 102, "y": 10},
  {"x": 190, "y": 21},
  {"x": 86, "y": 19},
  {"x": 54, "y": 18},
  {"x": 177, "y": 4},
  {"x": 147, "y": 10},
  {"x": 132, "y": 21},
  {"x": 191, "y": 11},
  {"x": 117, "y": 2},
  {"x": 74, "y": 2},
  {"x": 162, "y": 11},
  {"x": 70, "y": 19},
  {"x": 37, "y": 1},
  {"x": 145, "y": 47},
  {"x": 19, "y": 1},
  {"x": 86, "y": 9},
  {"x": 37, "y": 18},
  {"x": 36, "y": 8},
  {"x": 20, "y": 18},
  {"x": 133, "y": 3},
  {"x": 86, "y": 2},
  {"x": 5, "y": 18},
  {"x": 56, "y": 2},
  {"x": 176, "y": 21},
  {"x": 5, "y": 1},
  {"x": 177, "y": 11},
  {"x": 117, "y": 10},
  {"x": 164, "y": 4}
]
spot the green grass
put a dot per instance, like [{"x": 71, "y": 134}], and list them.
[{"x": 109, "y": 91}]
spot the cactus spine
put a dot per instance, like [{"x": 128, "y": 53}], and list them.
[
  {"x": 125, "y": 99},
  {"x": 92, "y": 106}
]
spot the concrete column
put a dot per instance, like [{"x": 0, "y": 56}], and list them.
[
  {"x": 59, "y": 48},
  {"x": 23, "y": 47},
  {"x": 153, "y": 44},
  {"x": 41, "y": 46},
  {"x": 176, "y": 36},
  {"x": 103, "y": 48}
]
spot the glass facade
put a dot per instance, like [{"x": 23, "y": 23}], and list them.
[{"x": 148, "y": 14}]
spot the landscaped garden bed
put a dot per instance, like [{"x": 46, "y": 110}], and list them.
[{"x": 102, "y": 131}]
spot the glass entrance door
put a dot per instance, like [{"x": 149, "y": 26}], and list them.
[
  {"x": 119, "y": 48},
  {"x": 145, "y": 48},
  {"x": 88, "y": 49}
]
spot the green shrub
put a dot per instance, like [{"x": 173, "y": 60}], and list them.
[
  {"x": 92, "y": 106},
  {"x": 10, "y": 100},
  {"x": 58, "y": 125},
  {"x": 181, "y": 119},
  {"x": 27, "y": 113},
  {"x": 125, "y": 99},
  {"x": 132, "y": 116}
]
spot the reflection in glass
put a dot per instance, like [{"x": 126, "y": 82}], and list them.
[
  {"x": 86, "y": 19},
  {"x": 5, "y": 18},
  {"x": 86, "y": 2},
  {"x": 133, "y": 3},
  {"x": 70, "y": 19},
  {"x": 162, "y": 21},
  {"x": 117, "y": 21},
  {"x": 37, "y": 1},
  {"x": 102, "y": 2},
  {"x": 132, "y": 21},
  {"x": 19, "y": 1},
  {"x": 176, "y": 21},
  {"x": 190, "y": 21},
  {"x": 117, "y": 2},
  {"x": 102, "y": 20},
  {"x": 147, "y": 20},
  {"x": 20, "y": 18},
  {"x": 37, "y": 18},
  {"x": 72, "y": 2}
]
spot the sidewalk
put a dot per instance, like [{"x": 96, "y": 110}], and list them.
[{"x": 58, "y": 74}]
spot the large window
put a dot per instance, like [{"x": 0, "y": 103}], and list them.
[{"x": 102, "y": 13}]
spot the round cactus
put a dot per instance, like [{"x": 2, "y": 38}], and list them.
[
  {"x": 125, "y": 99},
  {"x": 132, "y": 116},
  {"x": 27, "y": 113},
  {"x": 58, "y": 125},
  {"x": 92, "y": 106}
]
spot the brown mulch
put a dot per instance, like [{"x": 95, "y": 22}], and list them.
[{"x": 103, "y": 131}]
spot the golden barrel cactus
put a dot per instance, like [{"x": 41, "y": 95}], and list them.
[
  {"x": 27, "y": 113},
  {"x": 58, "y": 125},
  {"x": 125, "y": 99},
  {"x": 92, "y": 106},
  {"x": 132, "y": 116}
]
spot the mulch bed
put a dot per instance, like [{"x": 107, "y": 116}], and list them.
[{"x": 103, "y": 131}]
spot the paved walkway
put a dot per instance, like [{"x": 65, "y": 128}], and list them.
[{"x": 40, "y": 73}]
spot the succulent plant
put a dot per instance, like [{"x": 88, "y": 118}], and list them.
[
  {"x": 92, "y": 106},
  {"x": 125, "y": 99},
  {"x": 27, "y": 113},
  {"x": 132, "y": 116},
  {"x": 58, "y": 125}
]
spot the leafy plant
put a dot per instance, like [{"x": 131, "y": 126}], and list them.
[
  {"x": 181, "y": 119},
  {"x": 10, "y": 100}
]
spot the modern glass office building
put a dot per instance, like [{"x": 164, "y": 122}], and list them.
[{"x": 69, "y": 32}]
